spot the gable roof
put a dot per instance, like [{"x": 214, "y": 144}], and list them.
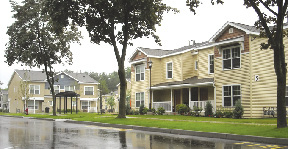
[
  {"x": 81, "y": 78},
  {"x": 29, "y": 75}
]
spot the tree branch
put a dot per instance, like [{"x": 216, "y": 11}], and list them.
[
  {"x": 285, "y": 7},
  {"x": 267, "y": 7},
  {"x": 261, "y": 18}
]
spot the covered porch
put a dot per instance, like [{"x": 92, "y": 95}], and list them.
[{"x": 191, "y": 92}]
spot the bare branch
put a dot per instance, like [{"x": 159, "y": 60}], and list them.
[{"x": 267, "y": 7}]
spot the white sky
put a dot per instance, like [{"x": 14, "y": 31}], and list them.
[{"x": 175, "y": 32}]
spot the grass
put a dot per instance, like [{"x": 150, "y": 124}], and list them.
[{"x": 255, "y": 127}]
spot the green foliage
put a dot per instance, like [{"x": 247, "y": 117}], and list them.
[
  {"x": 238, "y": 111},
  {"x": 219, "y": 114},
  {"x": 228, "y": 114},
  {"x": 182, "y": 108},
  {"x": 197, "y": 110},
  {"x": 128, "y": 109},
  {"x": 208, "y": 109},
  {"x": 153, "y": 110},
  {"x": 111, "y": 102},
  {"x": 160, "y": 111},
  {"x": 143, "y": 110}
]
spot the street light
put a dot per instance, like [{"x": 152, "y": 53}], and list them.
[{"x": 150, "y": 66}]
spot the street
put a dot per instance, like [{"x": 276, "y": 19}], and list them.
[{"x": 33, "y": 133}]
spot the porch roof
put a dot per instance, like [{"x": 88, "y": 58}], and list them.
[{"x": 190, "y": 82}]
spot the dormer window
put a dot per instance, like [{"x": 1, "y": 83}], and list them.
[{"x": 230, "y": 30}]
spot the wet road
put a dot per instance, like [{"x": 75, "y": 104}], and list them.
[{"x": 31, "y": 133}]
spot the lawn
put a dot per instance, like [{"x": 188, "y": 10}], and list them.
[{"x": 256, "y": 127}]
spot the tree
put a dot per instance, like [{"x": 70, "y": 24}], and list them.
[
  {"x": 33, "y": 42},
  {"x": 24, "y": 88},
  {"x": 111, "y": 102},
  {"x": 113, "y": 22},
  {"x": 278, "y": 10}
]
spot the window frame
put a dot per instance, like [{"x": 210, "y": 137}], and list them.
[
  {"x": 209, "y": 64},
  {"x": 32, "y": 107},
  {"x": 85, "y": 90},
  {"x": 141, "y": 74},
  {"x": 232, "y": 95},
  {"x": 167, "y": 71},
  {"x": 34, "y": 89},
  {"x": 231, "y": 57},
  {"x": 140, "y": 95},
  {"x": 88, "y": 104},
  {"x": 69, "y": 88}
]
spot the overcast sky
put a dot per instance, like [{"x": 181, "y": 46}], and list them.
[{"x": 175, "y": 32}]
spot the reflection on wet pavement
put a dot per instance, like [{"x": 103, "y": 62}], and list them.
[{"x": 31, "y": 133}]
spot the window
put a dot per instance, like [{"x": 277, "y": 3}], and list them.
[
  {"x": 231, "y": 58},
  {"x": 88, "y": 90},
  {"x": 140, "y": 73},
  {"x": 69, "y": 88},
  {"x": 231, "y": 30},
  {"x": 139, "y": 99},
  {"x": 57, "y": 89},
  {"x": 286, "y": 96},
  {"x": 169, "y": 70},
  {"x": 74, "y": 103},
  {"x": 62, "y": 76},
  {"x": 211, "y": 64},
  {"x": 85, "y": 105},
  {"x": 231, "y": 94},
  {"x": 30, "y": 104},
  {"x": 196, "y": 65},
  {"x": 50, "y": 103},
  {"x": 34, "y": 89}
]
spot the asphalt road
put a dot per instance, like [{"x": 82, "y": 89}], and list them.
[{"x": 32, "y": 133}]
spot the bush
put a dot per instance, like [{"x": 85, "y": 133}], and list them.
[
  {"x": 208, "y": 109},
  {"x": 182, "y": 108},
  {"x": 197, "y": 110},
  {"x": 127, "y": 109},
  {"x": 143, "y": 110},
  {"x": 136, "y": 112},
  {"x": 153, "y": 110},
  {"x": 228, "y": 114},
  {"x": 219, "y": 114},
  {"x": 238, "y": 111},
  {"x": 160, "y": 111}
]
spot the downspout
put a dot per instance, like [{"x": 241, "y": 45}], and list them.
[{"x": 214, "y": 96}]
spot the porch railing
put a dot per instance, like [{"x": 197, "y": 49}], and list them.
[
  {"x": 165, "y": 104},
  {"x": 200, "y": 104}
]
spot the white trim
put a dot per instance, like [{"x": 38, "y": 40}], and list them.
[
  {"x": 182, "y": 86},
  {"x": 231, "y": 87},
  {"x": 85, "y": 90},
  {"x": 196, "y": 65},
  {"x": 167, "y": 70},
  {"x": 88, "y": 99},
  {"x": 231, "y": 56},
  {"x": 140, "y": 98},
  {"x": 141, "y": 66},
  {"x": 36, "y": 98},
  {"x": 34, "y": 89},
  {"x": 210, "y": 64}
]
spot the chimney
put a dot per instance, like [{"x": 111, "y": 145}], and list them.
[{"x": 191, "y": 42}]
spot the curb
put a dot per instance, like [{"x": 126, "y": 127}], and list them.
[{"x": 266, "y": 140}]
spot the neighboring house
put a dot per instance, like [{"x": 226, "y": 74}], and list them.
[
  {"x": 4, "y": 104},
  {"x": 33, "y": 86},
  {"x": 230, "y": 66},
  {"x": 105, "y": 104}
]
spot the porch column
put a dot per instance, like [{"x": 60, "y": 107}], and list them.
[
  {"x": 171, "y": 101},
  {"x": 189, "y": 97},
  {"x": 76, "y": 104},
  {"x": 71, "y": 104},
  {"x": 34, "y": 105}
]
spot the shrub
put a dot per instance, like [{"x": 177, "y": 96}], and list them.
[
  {"x": 208, "y": 109},
  {"x": 160, "y": 111},
  {"x": 197, "y": 110},
  {"x": 127, "y": 109},
  {"x": 238, "y": 111},
  {"x": 153, "y": 110},
  {"x": 145, "y": 110},
  {"x": 182, "y": 108},
  {"x": 141, "y": 109},
  {"x": 228, "y": 114},
  {"x": 136, "y": 112},
  {"x": 219, "y": 114}
]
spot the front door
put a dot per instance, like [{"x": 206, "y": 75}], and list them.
[{"x": 177, "y": 98}]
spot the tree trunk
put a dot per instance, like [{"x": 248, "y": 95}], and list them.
[{"x": 123, "y": 84}]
